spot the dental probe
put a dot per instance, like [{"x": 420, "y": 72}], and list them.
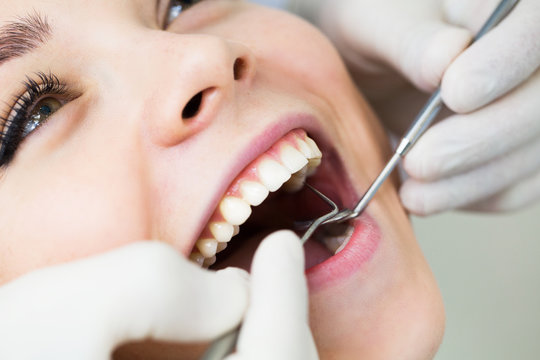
[
  {"x": 419, "y": 125},
  {"x": 225, "y": 345}
]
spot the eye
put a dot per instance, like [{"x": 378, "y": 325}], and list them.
[
  {"x": 43, "y": 97},
  {"x": 175, "y": 7},
  {"x": 40, "y": 113}
]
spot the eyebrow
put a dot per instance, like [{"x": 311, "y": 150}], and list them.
[{"x": 23, "y": 35}]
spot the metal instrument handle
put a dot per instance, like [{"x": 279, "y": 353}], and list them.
[{"x": 434, "y": 104}]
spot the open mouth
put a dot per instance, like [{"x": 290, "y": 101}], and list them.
[{"x": 269, "y": 195}]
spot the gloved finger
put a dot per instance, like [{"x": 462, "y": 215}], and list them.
[
  {"x": 496, "y": 63},
  {"x": 462, "y": 142},
  {"x": 145, "y": 290},
  {"x": 276, "y": 324},
  {"x": 524, "y": 193},
  {"x": 470, "y": 14},
  {"x": 426, "y": 198},
  {"x": 415, "y": 40},
  {"x": 174, "y": 299}
]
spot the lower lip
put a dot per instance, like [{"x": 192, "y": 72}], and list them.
[{"x": 360, "y": 249}]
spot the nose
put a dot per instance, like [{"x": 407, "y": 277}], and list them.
[{"x": 196, "y": 77}]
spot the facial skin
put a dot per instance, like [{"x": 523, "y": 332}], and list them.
[{"x": 119, "y": 164}]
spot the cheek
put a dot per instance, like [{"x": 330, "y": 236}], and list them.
[
  {"x": 61, "y": 218},
  {"x": 379, "y": 321},
  {"x": 313, "y": 61},
  {"x": 286, "y": 45}
]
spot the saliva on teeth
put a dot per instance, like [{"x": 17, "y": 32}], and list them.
[{"x": 286, "y": 165}]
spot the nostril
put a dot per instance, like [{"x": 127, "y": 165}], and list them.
[
  {"x": 239, "y": 68},
  {"x": 192, "y": 107}
]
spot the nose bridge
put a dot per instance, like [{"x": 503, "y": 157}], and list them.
[{"x": 194, "y": 76}]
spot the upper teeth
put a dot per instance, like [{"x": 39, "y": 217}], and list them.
[
  {"x": 235, "y": 210},
  {"x": 272, "y": 174},
  {"x": 253, "y": 193},
  {"x": 286, "y": 164}
]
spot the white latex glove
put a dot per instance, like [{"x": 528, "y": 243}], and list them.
[
  {"x": 487, "y": 157},
  {"x": 83, "y": 310},
  {"x": 276, "y": 324}
]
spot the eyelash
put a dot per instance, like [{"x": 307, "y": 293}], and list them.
[{"x": 14, "y": 123}]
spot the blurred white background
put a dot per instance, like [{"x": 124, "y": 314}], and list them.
[{"x": 488, "y": 270}]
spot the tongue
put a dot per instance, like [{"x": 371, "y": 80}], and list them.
[{"x": 240, "y": 252}]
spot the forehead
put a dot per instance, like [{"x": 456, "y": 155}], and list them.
[
  {"x": 27, "y": 24},
  {"x": 70, "y": 10}
]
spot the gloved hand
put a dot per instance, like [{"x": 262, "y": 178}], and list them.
[
  {"x": 487, "y": 156},
  {"x": 83, "y": 310},
  {"x": 276, "y": 324}
]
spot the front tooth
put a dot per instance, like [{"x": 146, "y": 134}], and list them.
[
  {"x": 207, "y": 247},
  {"x": 293, "y": 185},
  {"x": 222, "y": 231},
  {"x": 292, "y": 159},
  {"x": 272, "y": 174},
  {"x": 197, "y": 258},
  {"x": 253, "y": 192},
  {"x": 209, "y": 262},
  {"x": 345, "y": 240},
  {"x": 316, "y": 156},
  {"x": 236, "y": 211},
  {"x": 297, "y": 180},
  {"x": 305, "y": 149},
  {"x": 333, "y": 243},
  {"x": 314, "y": 148},
  {"x": 221, "y": 246},
  {"x": 312, "y": 166},
  {"x": 341, "y": 247}
]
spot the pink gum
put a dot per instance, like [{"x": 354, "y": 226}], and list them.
[{"x": 250, "y": 172}]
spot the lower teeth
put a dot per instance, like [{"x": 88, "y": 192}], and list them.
[{"x": 336, "y": 237}]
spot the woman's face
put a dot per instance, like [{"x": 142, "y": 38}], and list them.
[{"x": 145, "y": 127}]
